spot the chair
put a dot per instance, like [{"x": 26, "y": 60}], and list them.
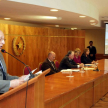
[
  {"x": 26, "y": 71},
  {"x": 40, "y": 64},
  {"x": 56, "y": 64}
]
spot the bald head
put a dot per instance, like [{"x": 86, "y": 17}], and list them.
[
  {"x": 51, "y": 56},
  {"x": 1, "y": 39}
]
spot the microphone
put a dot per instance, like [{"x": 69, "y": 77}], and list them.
[
  {"x": 96, "y": 68},
  {"x": 31, "y": 75}
]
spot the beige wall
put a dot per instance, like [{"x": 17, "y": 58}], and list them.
[{"x": 98, "y": 37}]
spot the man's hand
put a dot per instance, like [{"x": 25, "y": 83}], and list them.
[
  {"x": 91, "y": 55},
  {"x": 22, "y": 77},
  {"x": 93, "y": 62},
  {"x": 81, "y": 65},
  {"x": 16, "y": 82}
]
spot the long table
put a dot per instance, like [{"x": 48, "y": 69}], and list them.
[{"x": 81, "y": 91}]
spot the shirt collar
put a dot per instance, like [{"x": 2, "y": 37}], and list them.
[{"x": 49, "y": 60}]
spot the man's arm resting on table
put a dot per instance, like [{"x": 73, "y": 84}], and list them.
[{"x": 4, "y": 86}]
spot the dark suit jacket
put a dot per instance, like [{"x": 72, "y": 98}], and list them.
[
  {"x": 67, "y": 64},
  {"x": 85, "y": 59},
  {"x": 47, "y": 64},
  {"x": 92, "y": 51}
]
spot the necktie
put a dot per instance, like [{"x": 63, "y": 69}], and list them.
[
  {"x": 2, "y": 69},
  {"x": 53, "y": 65}
]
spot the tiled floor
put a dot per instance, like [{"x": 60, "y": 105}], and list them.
[{"x": 102, "y": 103}]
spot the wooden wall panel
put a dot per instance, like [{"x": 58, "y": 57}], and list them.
[
  {"x": 39, "y": 41},
  {"x": 101, "y": 56}
]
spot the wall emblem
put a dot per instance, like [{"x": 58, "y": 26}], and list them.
[{"x": 19, "y": 45}]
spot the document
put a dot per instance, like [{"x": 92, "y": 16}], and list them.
[
  {"x": 70, "y": 70},
  {"x": 88, "y": 64},
  {"x": 27, "y": 77},
  {"x": 75, "y": 70},
  {"x": 38, "y": 73},
  {"x": 89, "y": 68}
]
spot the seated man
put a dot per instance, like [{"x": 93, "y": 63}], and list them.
[
  {"x": 49, "y": 63},
  {"x": 68, "y": 62},
  {"x": 6, "y": 80}
]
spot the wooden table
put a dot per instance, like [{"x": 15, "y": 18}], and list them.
[{"x": 81, "y": 91}]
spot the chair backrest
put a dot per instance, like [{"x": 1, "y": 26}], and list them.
[
  {"x": 26, "y": 71},
  {"x": 40, "y": 64},
  {"x": 56, "y": 64}
]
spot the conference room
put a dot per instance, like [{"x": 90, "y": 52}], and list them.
[{"x": 36, "y": 32}]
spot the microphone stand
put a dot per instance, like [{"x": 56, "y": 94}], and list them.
[{"x": 31, "y": 75}]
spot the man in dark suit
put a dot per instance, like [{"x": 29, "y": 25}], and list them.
[
  {"x": 49, "y": 63},
  {"x": 6, "y": 80},
  {"x": 92, "y": 51},
  {"x": 68, "y": 62}
]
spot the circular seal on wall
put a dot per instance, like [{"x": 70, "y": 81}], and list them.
[{"x": 19, "y": 45}]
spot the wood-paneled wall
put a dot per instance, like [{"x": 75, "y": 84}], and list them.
[
  {"x": 101, "y": 56},
  {"x": 39, "y": 41}
]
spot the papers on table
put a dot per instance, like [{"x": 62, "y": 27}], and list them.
[
  {"x": 67, "y": 71},
  {"x": 70, "y": 70},
  {"x": 89, "y": 68},
  {"x": 75, "y": 70},
  {"x": 69, "y": 76},
  {"x": 88, "y": 64}
]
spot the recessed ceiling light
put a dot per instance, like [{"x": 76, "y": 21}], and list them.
[
  {"x": 54, "y": 10},
  {"x": 93, "y": 23},
  {"x": 73, "y": 28},
  {"x": 7, "y": 18},
  {"x": 92, "y": 20},
  {"x": 45, "y": 17},
  {"x": 82, "y": 16},
  {"x": 56, "y": 25}
]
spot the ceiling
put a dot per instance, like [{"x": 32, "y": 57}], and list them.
[{"x": 24, "y": 12}]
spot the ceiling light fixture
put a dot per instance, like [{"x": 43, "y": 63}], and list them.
[
  {"x": 45, "y": 17},
  {"x": 92, "y": 20},
  {"x": 54, "y": 10},
  {"x": 56, "y": 25},
  {"x": 50, "y": 17},
  {"x": 82, "y": 16},
  {"x": 73, "y": 28},
  {"x": 7, "y": 18},
  {"x": 93, "y": 23}
]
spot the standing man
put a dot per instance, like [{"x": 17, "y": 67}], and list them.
[
  {"x": 92, "y": 51},
  {"x": 68, "y": 62},
  {"x": 49, "y": 63},
  {"x": 7, "y": 81}
]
